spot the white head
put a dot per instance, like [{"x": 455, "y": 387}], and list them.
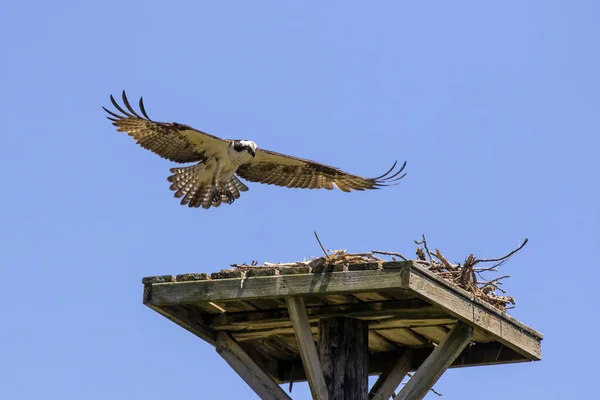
[{"x": 241, "y": 146}]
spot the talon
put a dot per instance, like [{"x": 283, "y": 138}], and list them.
[
  {"x": 230, "y": 197},
  {"x": 216, "y": 196}
]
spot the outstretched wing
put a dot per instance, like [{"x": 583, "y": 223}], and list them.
[
  {"x": 173, "y": 141},
  {"x": 282, "y": 170}
]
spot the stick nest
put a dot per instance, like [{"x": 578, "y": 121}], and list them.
[{"x": 467, "y": 276}]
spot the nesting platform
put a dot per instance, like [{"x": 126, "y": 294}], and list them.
[{"x": 404, "y": 305}]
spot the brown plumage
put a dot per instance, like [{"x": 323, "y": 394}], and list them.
[{"x": 212, "y": 180}]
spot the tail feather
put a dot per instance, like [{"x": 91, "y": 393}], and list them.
[
  {"x": 194, "y": 186},
  {"x": 239, "y": 184}
]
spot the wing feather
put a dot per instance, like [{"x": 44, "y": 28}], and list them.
[
  {"x": 173, "y": 141},
  {"x": 278, "y": 169}
]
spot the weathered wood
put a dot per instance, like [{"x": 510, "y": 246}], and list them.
[
  {"x": 276, "y": 286},
  {"x": 308, "y": 350},
  {"x": 438, "y": 361},
  {"x": 248, "y": 370},
  {"x": 404, "y": 336},
  {"x": 475, "y": 355},
  {"x": 266, "y": 333},
  {"x": 380, "y": 344},
  {"x": 415, "y": 268},
  {"x": 414, "y": 312},
  {"x": 343, "y": 346},
  {"x": 253, "y": 311},
  {"x": 435, "y": 334},
  {"x": 494, "y": 324},
  {"x": 388, "y": 381},
  {"x": 393, "y": 326},
  {"x": 388, "y": 279}
]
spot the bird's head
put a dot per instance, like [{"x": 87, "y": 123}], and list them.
[{"x": 244, "y": 146}]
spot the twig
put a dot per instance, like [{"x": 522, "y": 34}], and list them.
[
  {"x": 424, "y": 243},
  {"x": 501, "y": 259},
  {"x": 389, "y": 253},
  {"x": 444, "y": 261},
  {"x": 488, "y": 287},
  {"x": 320, "y": 244}
]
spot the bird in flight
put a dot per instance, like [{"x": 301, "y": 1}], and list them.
[{"x": 221, "y": 162}]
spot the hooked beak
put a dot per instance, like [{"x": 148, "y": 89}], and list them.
[{"x": 252, "y": 152}]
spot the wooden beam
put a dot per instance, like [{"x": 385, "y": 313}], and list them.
[
  {"x": 343, "y": 346},
  {"x": 479, "y": 354},
  {"x": 436, "y": 364},
  {"x": 388, "y": 381},
  {"x": 308, "y": 350},
  {"x": 408, "y": 276},
  {"x": 415, "y": 312},
  {"x": 393, "y": 276},
  {"x": 461, "y": 305},
  {"x": 330, "y": 283},
  {"x": 248, "y": 370}
]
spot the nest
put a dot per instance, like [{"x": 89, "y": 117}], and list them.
[{"x": 467, "y": 276}]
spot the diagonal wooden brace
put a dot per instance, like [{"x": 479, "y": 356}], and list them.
[
  {"x": 308, "y": 349},
  {"x": 248, "y": 370},
  {"x": 388, "y": 381},
  {"x": 436, "y": 364}
]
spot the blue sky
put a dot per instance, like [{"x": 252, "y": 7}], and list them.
[{"x": 494, "y": 106}]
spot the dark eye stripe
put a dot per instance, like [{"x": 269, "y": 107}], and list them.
[{"x": 238, "y": 146}]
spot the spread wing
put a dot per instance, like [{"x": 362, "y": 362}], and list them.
[
  {"x": 173, "y": 141},
  {"x": 283, "y": 170}
]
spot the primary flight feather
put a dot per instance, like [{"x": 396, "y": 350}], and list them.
[{"x": 213, "y": 179}]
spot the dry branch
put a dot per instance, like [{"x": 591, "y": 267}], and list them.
[{"x": 464, "y": 276}]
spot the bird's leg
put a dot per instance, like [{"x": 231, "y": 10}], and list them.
[
  {"x": 216, "y": 195},
  {"x": 214, "y": 190},
  {"x": 230, "y": 196}
]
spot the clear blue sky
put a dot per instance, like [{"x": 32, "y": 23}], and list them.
[{"x": 495, "y": 108}]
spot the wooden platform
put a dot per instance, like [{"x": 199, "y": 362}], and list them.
[{"x": 406, "y": 306}]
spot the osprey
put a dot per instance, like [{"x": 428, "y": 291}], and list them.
[{"x": 214, "y": 179}]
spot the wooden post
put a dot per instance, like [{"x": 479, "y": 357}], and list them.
[
  {"x": 344, "y": 351},
  {"x": 248, "y": 370},
  {"x": 306, "y": 345},
  {"x": 384, "y": 388},
  {"x": 438, "y": 361}
]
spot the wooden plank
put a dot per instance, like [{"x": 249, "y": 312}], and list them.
[
  {"x": 414, "y": 310},
  {"x": 436, "y": 364},
  {"x": 272, "y": 347},
  {"x": 473, "y": 355},
  {"x": 235, "y": 306},
  {"x": 424, "y": 272},
  {"x": 388, "y": 381},
  {"x": 268, "y": 304},
  {"x": 473, "y": 314},
  {"x": 267, "y": 333},
  {"x": 166, "y": 291},
  {"x": 373, "y": 296},
  {"x": 404, "y": 336},
  {"x": 339, "y": 299},
  {"x": 171, "y": 293},
  {"x": 515, "y": 338},
  {"x": 308, "y": 350},
  {"x": 379, "y": 344},
  {"x": 393, "y": 278},
  {"x": 343, "y": 346},
  {"x": 441, "y": 296},
  {"x": 434, "y": 319},
  {"x": 248, "y": 370},
  {"x": 433, "y": 333}
]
